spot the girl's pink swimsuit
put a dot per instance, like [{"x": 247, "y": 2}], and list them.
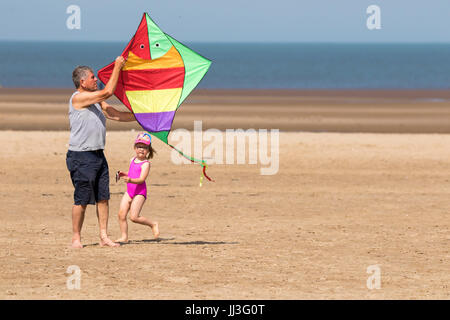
[{"x": 135, "y": 172}]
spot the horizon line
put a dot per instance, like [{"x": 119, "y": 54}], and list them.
[{"x": 235, "y": 42}]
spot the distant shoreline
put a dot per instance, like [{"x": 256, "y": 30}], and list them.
[
  {"x": 369, "y": 111},
  {"x": 363, "y": 93}
]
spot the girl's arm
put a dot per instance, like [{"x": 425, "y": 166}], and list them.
[
  {"x": 124, "y": 173},
  {"x": 144, "y": 173}
]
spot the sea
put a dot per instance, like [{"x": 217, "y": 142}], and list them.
[{"x": 37, "y": 64}]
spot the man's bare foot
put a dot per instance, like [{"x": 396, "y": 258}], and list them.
[
  {"x": 155, "y": 230},
  {"x": 108, "y": 242},
  {"x": 122, "y": 239},
  {"x": 76, "y": 244}
]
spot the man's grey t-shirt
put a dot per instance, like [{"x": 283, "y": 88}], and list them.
[{"x": 87, "y": 127}]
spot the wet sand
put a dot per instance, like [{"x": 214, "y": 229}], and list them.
[
  {"x": 339, "y": 203},
  {"x": 377, "y": 111}
]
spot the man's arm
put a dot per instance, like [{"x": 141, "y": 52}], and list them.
[
  {"x": 113, "y": 114},
  {"x": 86, "y": 98}
]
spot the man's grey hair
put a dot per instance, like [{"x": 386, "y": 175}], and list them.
[{"x": 80, "y": 73}]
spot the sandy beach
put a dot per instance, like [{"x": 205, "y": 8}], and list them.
[{"x": 363, "y": 181}]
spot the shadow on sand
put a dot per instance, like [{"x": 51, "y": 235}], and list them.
[{"x": 167, "y": 241}]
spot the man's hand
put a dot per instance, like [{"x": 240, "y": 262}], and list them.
[
  {"x": 113, "y": 114},
  {"x": 120, "y": 62}
]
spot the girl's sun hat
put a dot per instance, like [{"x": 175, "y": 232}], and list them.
[{"x": 144, "y": 138}]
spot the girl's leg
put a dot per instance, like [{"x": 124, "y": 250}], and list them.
[
  {"x": 135, "y": 211},
  {"x": 123, "y": 211}
]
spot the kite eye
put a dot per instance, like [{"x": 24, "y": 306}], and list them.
[
  {"x": 142, "y": 46},
  {"x": 157, "y": 44}
]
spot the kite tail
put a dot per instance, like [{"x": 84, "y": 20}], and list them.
[{"x": 200, "y": 162}]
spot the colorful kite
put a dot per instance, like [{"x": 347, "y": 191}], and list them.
[{"x": 158, "y": 75}]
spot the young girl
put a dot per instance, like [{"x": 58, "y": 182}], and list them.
[{"x": 136, "y": 193}]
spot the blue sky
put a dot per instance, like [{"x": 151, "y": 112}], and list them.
[{"x": 230, "y": 20}]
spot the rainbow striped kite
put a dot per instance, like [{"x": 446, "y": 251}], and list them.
[{"x": 158, "y": 75}]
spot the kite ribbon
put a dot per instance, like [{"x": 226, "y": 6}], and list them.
[{"x": 192, "y": 159}]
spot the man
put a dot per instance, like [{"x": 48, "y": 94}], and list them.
[{"x": 85, "y": 159}]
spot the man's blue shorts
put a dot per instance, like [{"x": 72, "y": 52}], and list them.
[{"x": 90, "y": 176}]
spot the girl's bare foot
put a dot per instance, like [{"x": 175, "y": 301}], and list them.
[
  {"x": 108, "y": 242},
  {"x": 76, "y": 244},
  {"x": 122, "y": 239},
  {"x": 155, "y": 230}
]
